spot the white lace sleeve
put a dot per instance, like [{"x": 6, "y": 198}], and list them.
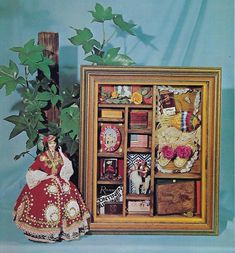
[
  {"x": 67, "y": 169},
  {"x": 34, "y": 177}
]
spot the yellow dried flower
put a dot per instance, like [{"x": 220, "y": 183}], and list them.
[
  {"x": 114, "y": 94},
  {"x": 136, "y": 98}
]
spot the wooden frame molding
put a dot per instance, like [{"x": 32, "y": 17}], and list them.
[{"x": 117, "y": 207}]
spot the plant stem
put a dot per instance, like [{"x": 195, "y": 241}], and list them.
[
  {"x": 26, "y": 75},
  {"x": 111, "y": 36},
  {"x": 103, "y": 32},
  {"x": 30, "y": 154}
]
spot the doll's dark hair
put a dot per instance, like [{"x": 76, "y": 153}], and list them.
[{"x": 46, "y": 147}]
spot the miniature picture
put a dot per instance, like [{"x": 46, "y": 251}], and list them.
[
  {"x": 110, "y": 138},
  {"x": 139, "y": 177},
  {"x": 110, "y": 168}
]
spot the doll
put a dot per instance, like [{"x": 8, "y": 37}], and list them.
[{"x": 50, "y": 208}]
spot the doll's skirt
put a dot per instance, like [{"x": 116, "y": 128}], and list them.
[{"x": 51, "y": 211}]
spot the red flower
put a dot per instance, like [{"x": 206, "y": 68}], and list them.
[
  {"x": 168, "y": 152},
  {"x": 183, "y": 152}
]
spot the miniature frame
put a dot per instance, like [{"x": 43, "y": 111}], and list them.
[
  {"x": 110, "y": 168},
  {"x": 175, "y": 189}
]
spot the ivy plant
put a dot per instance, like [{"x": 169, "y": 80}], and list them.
[
  {"x": 39, "y": 95},
  {"x": 36, "y": 97},
  {"x": 98, "y": 52}
]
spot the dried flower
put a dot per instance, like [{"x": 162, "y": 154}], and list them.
[
  {"x": 136, "y": 98},
  {"x": 168, "y": 152},
  {"x": 114, "y": 94},
  {"x": 183, "y": 151}
]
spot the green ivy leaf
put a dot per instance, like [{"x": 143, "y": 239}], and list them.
[
  {"x": 32, "y": 135},
  {"x": 31, "y": 55},
  {"x": 4, "y": 70},
  {"x": 35, "y": 106},
  {"x": 32, "y": 122},
  {"x": 70, "y": 120},
  {"x": 13, "y": 68},
  {"x": 28, "y": 47},
  {"x": 26, "y": 93},
  {"x": 100, "y": 14},
  {"x": 71, "y": 144},
  {"x": 124, "y": 26},
  {"x": 42, "y": 84},
  {"x": 120, "y": 60},
  {"x": 44, "y": 67},
  {"x": 32, "y": 67},
  {"x": 81, "y": 37},
  {"x": 89, "y": 45},
  {"x": 9, "y": 82},
  {"x": 54, "y": 89},
  {"x": 95, "y": 59},
  {"x": 42, "y": 104},
  {"x": 30, "y": 107},
  {"x": 19, "y": 122},
  {"x": 30, "y": 143},
  {"x": 40, "y": 125},
  {"x": 16, "y": 131},
  {"x": 44, "y": 96},
  {"x": 8, "y": 77},
  {"x": 111, "y": 53},
  {"x": 21, "y": 80},
  {"x": 113, "y": 58},
  {"x": 53, "y": 128},
  {"x": 17, "y": 49},
  {"x": 55, "y": 99},
  {"x": 15, "y": 119}
]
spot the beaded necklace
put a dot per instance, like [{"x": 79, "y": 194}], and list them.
[{"x": 54, "y": 161}]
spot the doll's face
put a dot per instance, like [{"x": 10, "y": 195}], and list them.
[{"x": 52, "y": 145}]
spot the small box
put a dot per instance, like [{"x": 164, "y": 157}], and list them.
[
  {"x": 176, "y": 198},
  {"x": 110, "y": 113},
  {"x": 138, "y": 119},
  {"x": 142, "y": 206},
  {"x": 113, "y": 208}
]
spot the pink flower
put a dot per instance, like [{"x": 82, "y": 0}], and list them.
[
  {"x": 183, "y": 152},
  {"x": 168, "y": 152}
]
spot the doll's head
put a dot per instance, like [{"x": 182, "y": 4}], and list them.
[{"x": 50, "y": 142}]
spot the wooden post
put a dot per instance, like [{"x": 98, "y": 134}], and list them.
[{"x": 51, "y": 42}]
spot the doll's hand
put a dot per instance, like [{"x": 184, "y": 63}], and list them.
[{"x": 61, "y": 152}]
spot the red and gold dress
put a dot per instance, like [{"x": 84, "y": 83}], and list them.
[{"x": 50, "y": 207}]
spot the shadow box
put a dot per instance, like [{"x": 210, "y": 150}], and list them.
[{"x": 150, "y": 149}]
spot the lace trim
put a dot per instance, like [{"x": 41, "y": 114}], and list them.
[
  {"x": 67, "y": 169},
  {"x": 34, "y": 177}
]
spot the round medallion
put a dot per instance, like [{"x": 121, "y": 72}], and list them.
[
  {"x": 52, "y": 189},
  {"x": 66, "y": 188},
  {"x": 52, "y": 214},
  {"x": 72, "y": 209},
  {"x": 110, "y": 138}
]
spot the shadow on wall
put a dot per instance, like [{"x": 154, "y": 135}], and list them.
[
  {"x": 227, "y": 159},
  {"x": 68, "y": 66}
]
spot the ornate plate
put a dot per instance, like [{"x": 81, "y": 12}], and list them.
[{"x": 110, "y": 138}]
